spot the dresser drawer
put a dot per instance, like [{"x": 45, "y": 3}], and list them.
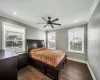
[
  {"x": 22, "y": 56},
  {"x": 22, "y": 60}
]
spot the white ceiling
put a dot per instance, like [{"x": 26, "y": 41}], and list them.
[{"x": 31, "y": 11}]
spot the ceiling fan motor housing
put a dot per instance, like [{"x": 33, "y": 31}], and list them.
[{"x": 49, "y": 17}]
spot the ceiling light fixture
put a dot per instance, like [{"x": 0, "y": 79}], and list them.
[
  {"x": 75, "y": 20},
  {"x": 14, "y": 13}
]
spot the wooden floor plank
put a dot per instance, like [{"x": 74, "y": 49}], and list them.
[{"x": 72, "y": 71}]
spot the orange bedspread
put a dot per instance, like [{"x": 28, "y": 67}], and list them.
[{"x": 48, "y": 56}]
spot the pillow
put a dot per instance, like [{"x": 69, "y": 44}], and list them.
[
  {"x": 39, "y": 49},
  {"x": 32, "y": 50}
]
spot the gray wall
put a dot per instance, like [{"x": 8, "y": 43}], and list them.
[
  {"x": 94, "y": 42},
  {"x": 0, "y": 33},
  {"x": 31, "y": 32},
  {"x": 62, "y": 42}
]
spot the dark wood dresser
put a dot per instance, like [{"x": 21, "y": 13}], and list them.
[{"x": 10, "y": 63}]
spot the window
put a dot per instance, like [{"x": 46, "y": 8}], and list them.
[
  {"x": 76, "y": 40},
  {"x": 51, "y": 40},
  {"x": 13, "y": 38}
]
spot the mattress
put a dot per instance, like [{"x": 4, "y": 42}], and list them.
[{"x": 48, "y": 56}]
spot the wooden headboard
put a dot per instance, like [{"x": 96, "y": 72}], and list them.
[{"x": 33, "y": 44}]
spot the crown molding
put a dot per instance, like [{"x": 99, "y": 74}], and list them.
[
  {"x": 93, "y": 7},
  {"x": 18, "y": 20},
  {"x": 66, "y": 26}
]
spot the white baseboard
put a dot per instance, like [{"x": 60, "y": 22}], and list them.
[
  {"x": 92, "y": 74},
  {"x": 82, "y": 61},
  {"x": 77, "y": 60}
]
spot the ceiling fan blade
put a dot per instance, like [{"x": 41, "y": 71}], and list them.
[
  {"x": 44, "y": 19},
  {"x": 52, "y": 26},
  {"x": 41, "y": 23},
  {"x": 55, "y": 20},
  {"x": 56, "y": 24},
  {"x": 45, "y": 25}
]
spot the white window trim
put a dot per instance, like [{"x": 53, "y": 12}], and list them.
[
  {"x": 82, "y": 45},
  {"x": 52, "y": 48},
  {"x": 3, "y": 33},
  {"x": 52, "y": 40}
]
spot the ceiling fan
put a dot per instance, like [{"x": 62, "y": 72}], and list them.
[{"x": 50, "y": 22}]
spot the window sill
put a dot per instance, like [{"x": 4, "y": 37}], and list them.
[{"x": 81, "y": 52}]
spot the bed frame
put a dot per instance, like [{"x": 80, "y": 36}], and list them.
[{"x": 50, "y": 71}]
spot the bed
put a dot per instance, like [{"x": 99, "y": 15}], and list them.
[{"x": 50, "y": 62}]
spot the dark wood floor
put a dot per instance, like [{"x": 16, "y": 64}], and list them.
[
  {"x": 75, "y": 71},
  {"x": 72, "y": 71}
]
